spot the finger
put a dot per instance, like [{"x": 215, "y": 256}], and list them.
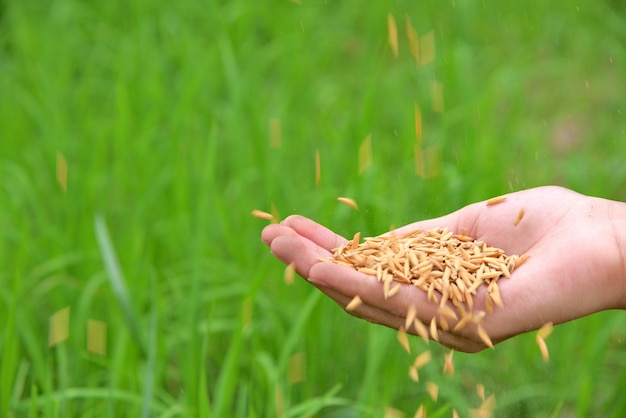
[
  {"x": 315, "y": 232},
  {"x": 298, "y": 250},
  {"x": 273, "y": 231}
]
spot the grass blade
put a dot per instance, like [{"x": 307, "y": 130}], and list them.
[{"x": 116, "y": 278}]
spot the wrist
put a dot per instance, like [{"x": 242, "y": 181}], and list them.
[{"x": 617, "y": 218}]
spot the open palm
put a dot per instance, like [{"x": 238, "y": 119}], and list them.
[{"x": 576, "y": 267}]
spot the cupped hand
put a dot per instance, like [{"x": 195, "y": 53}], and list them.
[{"x": 576, "y": 245}]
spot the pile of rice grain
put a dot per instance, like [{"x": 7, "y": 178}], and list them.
[{"x": 449, "y": 267}]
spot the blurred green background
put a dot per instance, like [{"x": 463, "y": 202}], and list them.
[{"x": 136, "y": 137}]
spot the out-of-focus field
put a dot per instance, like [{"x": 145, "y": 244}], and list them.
[{"x": 136, "y": 137}]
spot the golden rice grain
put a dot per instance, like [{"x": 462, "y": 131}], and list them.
[
  {"x": 434, "y": 334},
  {"x": 421, "y": 412},
  {"x": 355, "y": 240},
  {"x": 448, "y": 365},
  {"x": 449, "y": 268},
  {"x": 446, "y": 268},
  {"x": 354, "y": 303},
  {"x": 455, "y": 414},
  {"x": 480, "y": 390},
  {"x": 413, "y": 39},
  {"x": 520, "y": 215},
  {"x": 392, "y": 32},
  {"x": 496, "y": 200},
  {"x": 393, "y": 291},
  {"x": 418, "y": 126},
  {"x": 410, "y": 316},
  {"x": 545, "y": 330},
  {"x": 542, "y": 334},
  {"x": 421, "y": 330},
  {"x": 482, "y": 334},
  {"x": 521, "y": 260},
  {"x": 403, "y": 340},
  {"x": 485, "y": 410},
  {"x": 543, "y": 348},
  {"x": 290, "y": 273},
  {"x": 422, "y": 360},
  {"x": 393, "y": 413},
  {"x": 262, "y": 215},
  {"x": 348, "y": 202},
  {"x": 414, "y": 374},
  {"x": 446, "y": 311},
  {"x": 433, "y": 390}
]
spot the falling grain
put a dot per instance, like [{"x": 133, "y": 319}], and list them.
[
  {"x": 418, "y": 126},
  {"x": 354, "y": 303},
  {"x": 262, "y": 215},
  {"x": 433, "y": 390},
  {"x": 485, "y": 410},
  {"x": 393, "y": 291},
  {"x": 421, "y": 330},
  {"x": 422, "y": 360},
  {"x": 393, "y": 413},
  {"x": 434, "y": 334},
  {"x": 542, "y": 334},
  {"x": 480, "y": 390},
  {"x": 543, "y": 348},
  {"x": 482, "y": 334},
  {"x": 446, "y": 311},
  {"x": 348, "y": 202},
  {"x": 413, "y": 39},
  {"x": 421, "y": 412},
  {"x": 448, "y": 365},
  {"x": 403, "y": 340},
  {"x": 545, "y": 330},
  {"x": 496, "y": 200},
  {"x": 410, "y": 316},
  {"x": 520, "y": 215},
  {"x": 392, "y": 34},
  {"x": 290, "y": 273}
]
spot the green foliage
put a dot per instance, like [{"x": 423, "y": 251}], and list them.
[{"x": 163, "y": 114}]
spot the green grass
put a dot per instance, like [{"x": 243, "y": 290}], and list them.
[{"x": 163, "y": 113}]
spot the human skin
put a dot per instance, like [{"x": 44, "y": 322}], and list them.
[{"x": 577, "y": 264}]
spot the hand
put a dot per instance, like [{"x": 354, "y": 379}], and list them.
[{"x": 577, "y": 264}]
